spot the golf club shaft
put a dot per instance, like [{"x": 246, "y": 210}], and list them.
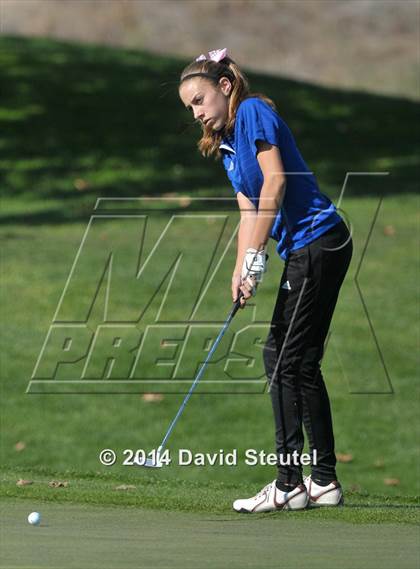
[{"x": 232, "y": 313}]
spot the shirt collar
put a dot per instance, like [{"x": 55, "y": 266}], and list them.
[{"x": 226, "y": 145}]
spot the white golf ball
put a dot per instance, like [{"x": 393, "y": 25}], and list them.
[{"x": 34, "y": 518}]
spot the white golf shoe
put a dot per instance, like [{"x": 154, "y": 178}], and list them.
[
  {"x": 270, "y": 498},
  {"x": 331, "y": 495}
]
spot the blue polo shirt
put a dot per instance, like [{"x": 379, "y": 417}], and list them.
[{"x": 306, "y": 213}]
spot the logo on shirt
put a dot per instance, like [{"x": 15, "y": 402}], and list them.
[{"x": 286, "y": 286}]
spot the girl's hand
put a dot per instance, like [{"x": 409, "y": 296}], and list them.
[
  {"x": 245, "y": 287},
  {"x": 254, "y": 265},
  {"x": 248, "y": 288},
  {"x": 236, "y": 287}
]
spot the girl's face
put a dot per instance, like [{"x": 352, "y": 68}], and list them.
[{"x": 208, "y": 102}]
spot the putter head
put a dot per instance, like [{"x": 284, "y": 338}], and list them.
[
  {"x": 150, "y": 463},
  {"x": 154, "y": 461}
]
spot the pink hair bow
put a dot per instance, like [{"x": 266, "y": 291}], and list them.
[{"x": 215, "y": 55}]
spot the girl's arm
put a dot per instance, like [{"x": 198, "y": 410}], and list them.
[
  {"x": 270, "y": 202},
  {"x": 246, "y": 230},
  {"x": 272, "y": 193}
]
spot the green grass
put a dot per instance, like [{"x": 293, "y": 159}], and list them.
[
  {"x": 68, "y": 431},
  {"x": 156, "y": 490},
  {"x": 113, "y": 119},
  {"x": 99, "y": 119}
]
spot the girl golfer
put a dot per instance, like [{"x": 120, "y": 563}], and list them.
[{"x": 278, "y": 197}]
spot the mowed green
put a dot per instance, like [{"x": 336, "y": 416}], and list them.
[{"x": 74, "y": 536}]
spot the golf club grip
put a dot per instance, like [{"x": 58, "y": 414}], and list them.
[{"x": 237, "y": 304}]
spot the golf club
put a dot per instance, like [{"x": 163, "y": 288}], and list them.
[{"x": 155, "y": 462}]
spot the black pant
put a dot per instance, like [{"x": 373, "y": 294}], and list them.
[{"x": 307, "y": 296}]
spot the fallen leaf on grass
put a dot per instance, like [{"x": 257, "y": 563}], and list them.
[
  {"x": 58, "y": 484},
  {"x": 125, "y": 487},
  {"x": 343, "y": 457},
  {"x": 389, "y": 230},
  {"x": 184, "y": 201},
  {"x": 379, "y": 463},
  {"x": 19, "y": 446},
  {"x": 22, "y": 482},
  {"x": 80, "y": 184},
  {"x": 152, "y": 397},
  {"x": 391, "y": 481}
]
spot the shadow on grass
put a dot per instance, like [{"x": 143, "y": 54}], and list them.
[{"x": 79, "y": 122}]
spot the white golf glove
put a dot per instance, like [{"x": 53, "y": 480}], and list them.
[{"x": 253, "y": 268}]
